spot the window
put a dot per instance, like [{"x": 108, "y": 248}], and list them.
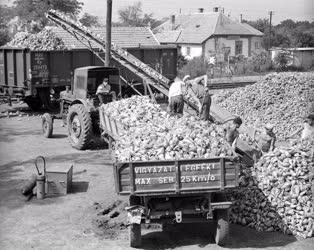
[
  {"x": 256, "y": 45},
  {"x": 238, "y": 47},
  {"x": 188, "y": 51}
]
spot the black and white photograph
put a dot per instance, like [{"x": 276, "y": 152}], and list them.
[{"x": 156, "y": 124}]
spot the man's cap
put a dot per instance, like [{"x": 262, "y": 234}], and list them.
[
  {"x": 269, "y": 126},
  {"x": 186, "y": 78}
]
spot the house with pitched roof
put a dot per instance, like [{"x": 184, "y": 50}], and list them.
[{"x": 209, "y": 33}]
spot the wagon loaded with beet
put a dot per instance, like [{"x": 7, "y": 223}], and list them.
[{"x": 171, "y": 172}]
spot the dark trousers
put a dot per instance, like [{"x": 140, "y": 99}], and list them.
[
  {"x": 205, "y": 114},
  {"x": 176, "y": 105},
  {"x": 104, "y": 98}
]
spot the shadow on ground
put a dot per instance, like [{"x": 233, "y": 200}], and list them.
[
  {"x": 202, "y": 235},
  {"x": 79, "y": 187}
]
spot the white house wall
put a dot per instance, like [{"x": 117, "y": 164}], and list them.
[
  {"x": 259, "y": 48},
  {"x": 210, "y": 45},
  {"x": 195, "y": 51}
]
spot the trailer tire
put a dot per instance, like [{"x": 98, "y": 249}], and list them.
[
  {"x": 47, "y": 125},
  {"x": 135, "y": 234},
  {"x": 222, "y": 229},
  {"x": 79, "y": 126}
]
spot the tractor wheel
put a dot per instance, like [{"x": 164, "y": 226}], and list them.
[
  {"x": 135, "y": 235},
  {"x": 47, "y": 125},
  {"x": 222, "y": 230},
  {"x": 79, "y": 126}
]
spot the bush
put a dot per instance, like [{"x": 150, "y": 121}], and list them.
[
  {"x": 282, "y": 60},
  {"x": 195, "y": 67},
  {"x": 260, "y": 62}
]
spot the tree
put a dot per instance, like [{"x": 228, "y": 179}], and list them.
[
  {"x": 286, "y": 34},
  {"x": 35, "y": 10},
  {"x": 303, "y": 39},
  {"x": 260, "y": 24},
  {"x": 5, "y": 16},
  {"x": 89, "y": 20},
  {"x": 133, "y": 15}
]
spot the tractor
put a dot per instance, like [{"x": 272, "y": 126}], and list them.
[{"x": 79, "y": 105}]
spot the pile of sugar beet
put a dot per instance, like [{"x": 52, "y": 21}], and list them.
[
  {"x": 148, "y": 133},
  {"x": 276, "y": 194},
  {"x": 273, "y": 195},
  {"x": 44, "y": 40},
  {"x": 283, "y": 99}
]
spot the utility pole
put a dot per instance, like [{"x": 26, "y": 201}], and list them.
[
  {"x": 240, "y": 18},
  {"x": 270, "y": 19},
  {"x": 108, "y": 32}
]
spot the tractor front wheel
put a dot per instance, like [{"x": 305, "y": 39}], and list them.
[
  {"x": 47, "y": 125},
  {"x": 79, "y": 126}
]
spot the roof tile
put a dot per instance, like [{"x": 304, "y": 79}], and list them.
[
  {"x": 198, "y": 27},
  {"x": 125, "y": 37}
]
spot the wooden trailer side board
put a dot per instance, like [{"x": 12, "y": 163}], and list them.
[{"x": 173, "y": 177}]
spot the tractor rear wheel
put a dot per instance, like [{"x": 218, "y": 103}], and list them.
[
  {"x": 79, "y": 126},
  {"x": 47, "y": 125}
]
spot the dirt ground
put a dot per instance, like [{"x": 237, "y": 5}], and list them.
[{"x": 91, "y": 216}]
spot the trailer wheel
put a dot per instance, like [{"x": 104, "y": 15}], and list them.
[
  {"x": 135, "y": 234},
  {"x": 222, "y": 230},
  {"x": 79, "y": 126},
  {"x": 47, "y": 125}
]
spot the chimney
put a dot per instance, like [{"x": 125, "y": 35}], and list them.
[
  {"x": 173, "y": 22},
  {"x": 216, "y": 9},
  {"x": 200, "y": 10}
]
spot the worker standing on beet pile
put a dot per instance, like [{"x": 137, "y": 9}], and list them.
[
  {"x": 199, "y": 87},
  {"x": 176, "y": 103},
  {"x": 267, "y": 139}
]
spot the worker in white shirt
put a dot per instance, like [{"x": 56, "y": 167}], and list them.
[
  {"x": 103, "y": 90},
  {"x": 176, "y": 103}
]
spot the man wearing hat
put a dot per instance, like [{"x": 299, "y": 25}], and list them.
[
  {"x": 103, "y": 90},
  {"x": 267, "y": 139}
]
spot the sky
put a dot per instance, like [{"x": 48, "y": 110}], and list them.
[{"x": 250, "y": 9}]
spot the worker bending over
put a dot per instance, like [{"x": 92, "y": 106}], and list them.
[
  {"x": 200, "y": 89},
  {"x": 232, "y": 132},
  {"x": 176, "y": 103},
  {"x": 267, "y": 139},
  {"x": 307, "y": 132}
]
